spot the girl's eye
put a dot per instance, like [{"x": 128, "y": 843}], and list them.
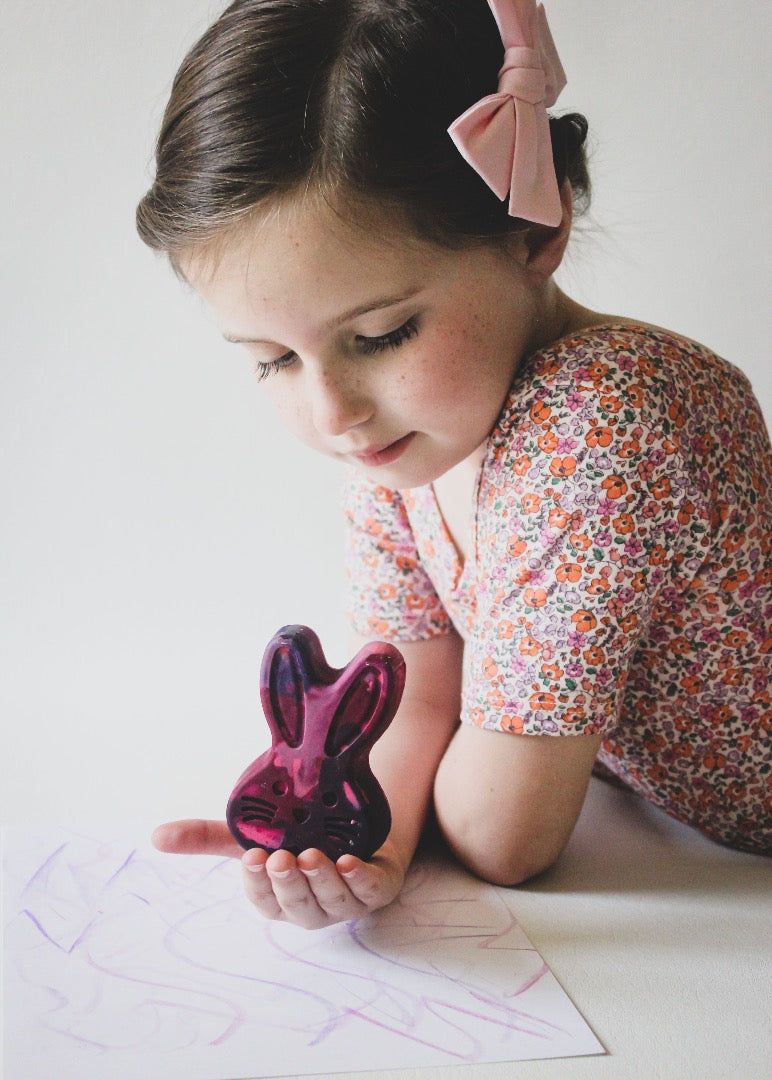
[
  {"x": 366, "y": 345},
  {"x": 263, "y": 369},
  {"x": 392, "y": 340}
]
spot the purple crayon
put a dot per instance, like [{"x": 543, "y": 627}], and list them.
[{"x": 314, "y": 787}]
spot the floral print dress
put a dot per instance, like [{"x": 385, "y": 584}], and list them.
[{"x": 618, "y": 579}]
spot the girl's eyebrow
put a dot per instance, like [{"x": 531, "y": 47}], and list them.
[{"x": 346, "y": 316}]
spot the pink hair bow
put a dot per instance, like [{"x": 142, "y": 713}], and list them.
[{"x": 505, "y": 137}]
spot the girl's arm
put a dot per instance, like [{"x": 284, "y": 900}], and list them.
[
  {"x": 312, "y": 891},
  {"x": 507, "y": 804}
]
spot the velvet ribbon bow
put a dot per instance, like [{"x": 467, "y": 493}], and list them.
[{"x": 505, "y": 136}]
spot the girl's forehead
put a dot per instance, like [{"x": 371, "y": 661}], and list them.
[
  {"x": 306, "y": 235},
  {"x": 263, "y": 274}
]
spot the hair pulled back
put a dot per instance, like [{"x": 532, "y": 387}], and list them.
[{"x": 350, "y": 98}]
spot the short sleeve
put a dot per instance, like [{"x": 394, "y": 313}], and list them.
[
  {"x": 389, "y": 593},
  {"x": 588, "y": 516}
]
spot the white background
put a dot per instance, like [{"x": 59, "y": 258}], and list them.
[{"x": 157, "y": 526}]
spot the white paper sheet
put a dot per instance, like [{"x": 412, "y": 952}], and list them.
[{"x": 121, "y": 962}]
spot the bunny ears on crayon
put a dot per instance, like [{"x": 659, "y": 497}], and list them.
[
  {"x": 505, "y": 136},
  {"x": 314, "y": 787}
]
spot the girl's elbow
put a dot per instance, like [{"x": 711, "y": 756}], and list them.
[{"x": 507, "y": 861}]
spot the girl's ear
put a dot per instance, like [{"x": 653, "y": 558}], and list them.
[{"x": 545, "y": 246}]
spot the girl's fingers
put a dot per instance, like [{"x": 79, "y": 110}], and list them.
[
  {"x": 257, "y": 884},
  {"x": 331, "y": 891},
  {"x": 293, "y": 891},
  {"x": 196, "y": 837},
  {"x": 372, "y": 884}
]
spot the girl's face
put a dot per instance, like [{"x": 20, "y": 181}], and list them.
[{"x": 375, "y": 347}]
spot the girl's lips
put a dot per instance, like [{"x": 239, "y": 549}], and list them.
[{"x": 387, "y": 454}]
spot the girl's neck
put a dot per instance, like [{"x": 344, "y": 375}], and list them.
[{"x": 558, "y": 316}]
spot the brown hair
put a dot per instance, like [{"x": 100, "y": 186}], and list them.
[{"x": 350, "y": 98}]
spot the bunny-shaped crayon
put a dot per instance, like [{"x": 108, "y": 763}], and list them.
[{"x": 314, "y": 787}]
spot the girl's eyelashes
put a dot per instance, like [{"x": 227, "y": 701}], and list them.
[
  {"x": 366, "y": 345},
  {"x": 392, "y": 340},
  {"x": 263, "y": 369}
]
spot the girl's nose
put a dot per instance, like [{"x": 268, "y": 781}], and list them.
[{"x": 338, "y": 403}]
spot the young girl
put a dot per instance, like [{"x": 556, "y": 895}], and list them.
[{"x": 562, "y": 518}]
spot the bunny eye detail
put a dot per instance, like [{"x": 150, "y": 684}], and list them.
[
  {"x": 280, "y": 788},
  {"x": 329, "y": 798}
]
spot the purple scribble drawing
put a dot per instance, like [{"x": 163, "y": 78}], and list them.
[
  {"x": 314, "y": 787},
  {"x": 120, "y": 961}
]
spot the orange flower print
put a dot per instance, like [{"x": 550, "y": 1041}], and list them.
[
  {"x": 552, "y": 672},
  {"x": 373, "y": 527},
  {"x": 611, "y": 403},
  {"x": 406, "y": 564},
  {"x": 515, "y": 547},
  {"x": 691, "y": 685},
  {"x": 477, "y": 716},
  {"x": 657, "y": 555},
  {"x": 676, "y": 413},
  {"x": 629, "y": 449},
  {"x": 542, "y": 701},
  {"x": 547, "y": 442},
  {"x": 495, "y": 699},
  {"x": 686, "y": 512},
  {"x": 599, "y": 436},
  {"x": 521, "y": 465},
  {"x": 614, "y": 486},
  {"x": 733, "y": 542},
  {"x": 558, "y": 519},
  {"x": 733, "y": 676},
  {"x": 660, "y": 489},
  {"x": 505, "y": 629},
  {"x": 580, "y": 541},
  {"x": 529, "y": 646},
  {"x": 597, "y": 370},
  {"x": 594, "y": 655},
  {"x": 387, "y": 592},
  {"x": 623, "y": 524},
  {"x": 713, "y": 760},
  {"x": 490, "y": 668},
  {"x": 540, "y": 412},
  {"x": 563, "y": 466},
  {"x": 377, "y": 626},
  {"x": 629, "y": 622},
  {"x": 569, "y": 571},
  {"x": 512, "y": 724},
  {"x": 734, "y": 580},
  {"x": 535, "y": 598},
  {"x": 531, "y": 503},
  {"x": 584, "y": 621},
  {"x": 635, "y": 396}
]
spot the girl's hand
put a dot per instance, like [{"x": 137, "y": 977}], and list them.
[{"x": 310, "y": 891}]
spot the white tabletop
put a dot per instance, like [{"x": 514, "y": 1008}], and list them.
[{"x": 662, "y": 940}]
